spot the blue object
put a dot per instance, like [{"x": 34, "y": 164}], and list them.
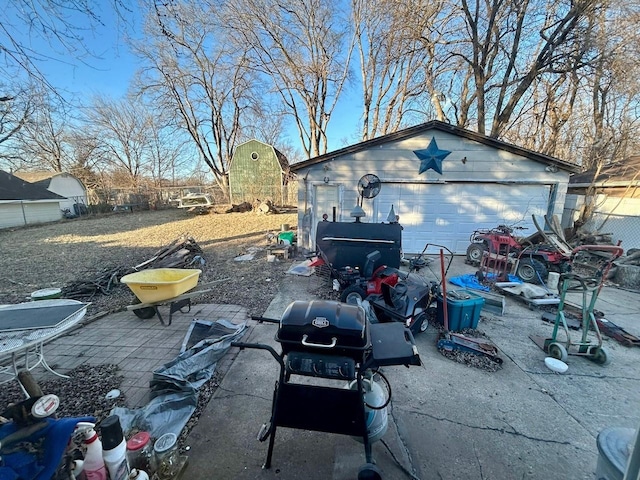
[
  {"x": 431, "y": 157},
  {"x": 27, "y": 466},
  {"x": 471, "y": 281},
  {"x": 462, "y": 312}
]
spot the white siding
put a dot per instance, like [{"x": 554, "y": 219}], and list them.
[
  {"x": 451, "y": 212},
  {"x": 618, "y": 216},
  {"x": 491, "y": 186},
  {"x": 69, "y": 187},
  {"x": 325, "y": 199},
  {"x": 16, "y": 213}
]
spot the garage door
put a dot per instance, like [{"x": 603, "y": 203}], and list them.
[{"x": 447, "y": 214}]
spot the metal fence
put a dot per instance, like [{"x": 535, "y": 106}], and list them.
[
  {"x": 624, "y": 228},
  {"x": 103, "y": 200}
]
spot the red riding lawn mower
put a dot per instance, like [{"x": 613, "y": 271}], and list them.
[{"x": 535, "y": 260}]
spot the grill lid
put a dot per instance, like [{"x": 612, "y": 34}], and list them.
[{"x": 324, "y": 324}]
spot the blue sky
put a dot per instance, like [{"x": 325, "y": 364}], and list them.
[
  {"x": 107, "y": 70},
  {"x": 110, "y": 68}
]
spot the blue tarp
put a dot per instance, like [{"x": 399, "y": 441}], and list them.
[{"x": 471, "y": 281}]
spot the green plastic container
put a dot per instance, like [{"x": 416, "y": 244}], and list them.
[
  {"x": 286, "y": 237},
  {"x": 46, "y": 294},
  {"x": 463, "y": 309}
]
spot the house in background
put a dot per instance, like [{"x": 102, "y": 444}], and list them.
[
  {"x": 258, "y": 172},
  {"x": 615, "y": 193},
  {"x": 64, "y": 184},
  {"x": 24, "y": 203},
  {"x": 443, "y": 182}
]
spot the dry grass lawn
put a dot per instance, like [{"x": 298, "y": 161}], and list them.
[{"x": 56, "y": 254}]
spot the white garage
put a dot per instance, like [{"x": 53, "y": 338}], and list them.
[
  {"x": 61, "y": 183},
  {"x": 24, "y": 203},
  {"x": 443, "y": 183}
]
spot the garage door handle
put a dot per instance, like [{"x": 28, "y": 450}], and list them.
[{"x": 334, "y": 340}]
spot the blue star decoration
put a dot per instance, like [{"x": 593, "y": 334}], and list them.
[{"x": 431, "y": 157}]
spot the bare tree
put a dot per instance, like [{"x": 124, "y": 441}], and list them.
[
  {"x": 16, "y": 109},
  {"x": 302, "y": 47},
  {"x": 86, "y": 155},
  {"x": 512, "y": 44},
  {"x": 192, "y": 73},
  {"x": 62, "y": 25},
  {"x": 42, "y": 142},
  {"x": 395, "y": 42},
  {"x": 122, "y": 129},
  {"x": 167, "y": 146}
]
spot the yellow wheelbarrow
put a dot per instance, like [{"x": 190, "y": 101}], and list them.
[{"x": 158, "y": 286}]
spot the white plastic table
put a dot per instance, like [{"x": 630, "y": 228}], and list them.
[{"x": 23, "y": 348}]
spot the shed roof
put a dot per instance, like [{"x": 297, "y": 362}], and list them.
[
  {"x": 443, "y": 127},
  {"x": 623, "y": 173},
  {"x": 282, "y": 159},
  {"x": 14, "y": 188},
  {"x": 35, "y": 176}
]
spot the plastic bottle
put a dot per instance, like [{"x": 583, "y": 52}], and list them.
[
  {"x": 93, "y": 465},
  {"x": 138, "y": 474},
  {"x": 114, "y": 448}
]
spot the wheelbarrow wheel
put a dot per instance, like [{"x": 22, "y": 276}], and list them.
[
  {"x": 144, "y": 313},
  {"x": 369, "y": 472},
  {"x": 600, "y": 356},
  {"x": 558, "y": 351}
]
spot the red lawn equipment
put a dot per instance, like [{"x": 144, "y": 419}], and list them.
[
  {"x": 534, "y": 260},
  {"x": 411, "y": 298},
  {"x": 354, "y": 283}
]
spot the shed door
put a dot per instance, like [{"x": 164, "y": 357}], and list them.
[{"x": 447, "y": 214}]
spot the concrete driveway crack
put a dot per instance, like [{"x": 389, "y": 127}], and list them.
[
  {"x": 413, "y": 471},
  {"x": 491, "y": 429}
]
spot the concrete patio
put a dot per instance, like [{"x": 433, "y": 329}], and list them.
[{"x": 447, "y": 420}]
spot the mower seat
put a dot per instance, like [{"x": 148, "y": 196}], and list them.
[{"x": 370, "y": 263}]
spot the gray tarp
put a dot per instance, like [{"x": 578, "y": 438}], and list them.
[{"x": 174, "y": 386}]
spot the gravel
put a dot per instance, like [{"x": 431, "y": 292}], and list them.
[{"x": 82, "y": 394}]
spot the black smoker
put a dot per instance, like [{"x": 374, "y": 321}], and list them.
[
  {"x": 331, "y": 340},
  {"x": 348, "y": 243}
]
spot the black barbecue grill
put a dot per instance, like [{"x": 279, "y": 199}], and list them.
[{"x": 330, "y": 340}]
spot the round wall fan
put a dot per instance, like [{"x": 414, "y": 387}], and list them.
[{"x": 369, "y": 186}]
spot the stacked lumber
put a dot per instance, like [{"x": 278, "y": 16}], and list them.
[{"x": 183, "y": 252}]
